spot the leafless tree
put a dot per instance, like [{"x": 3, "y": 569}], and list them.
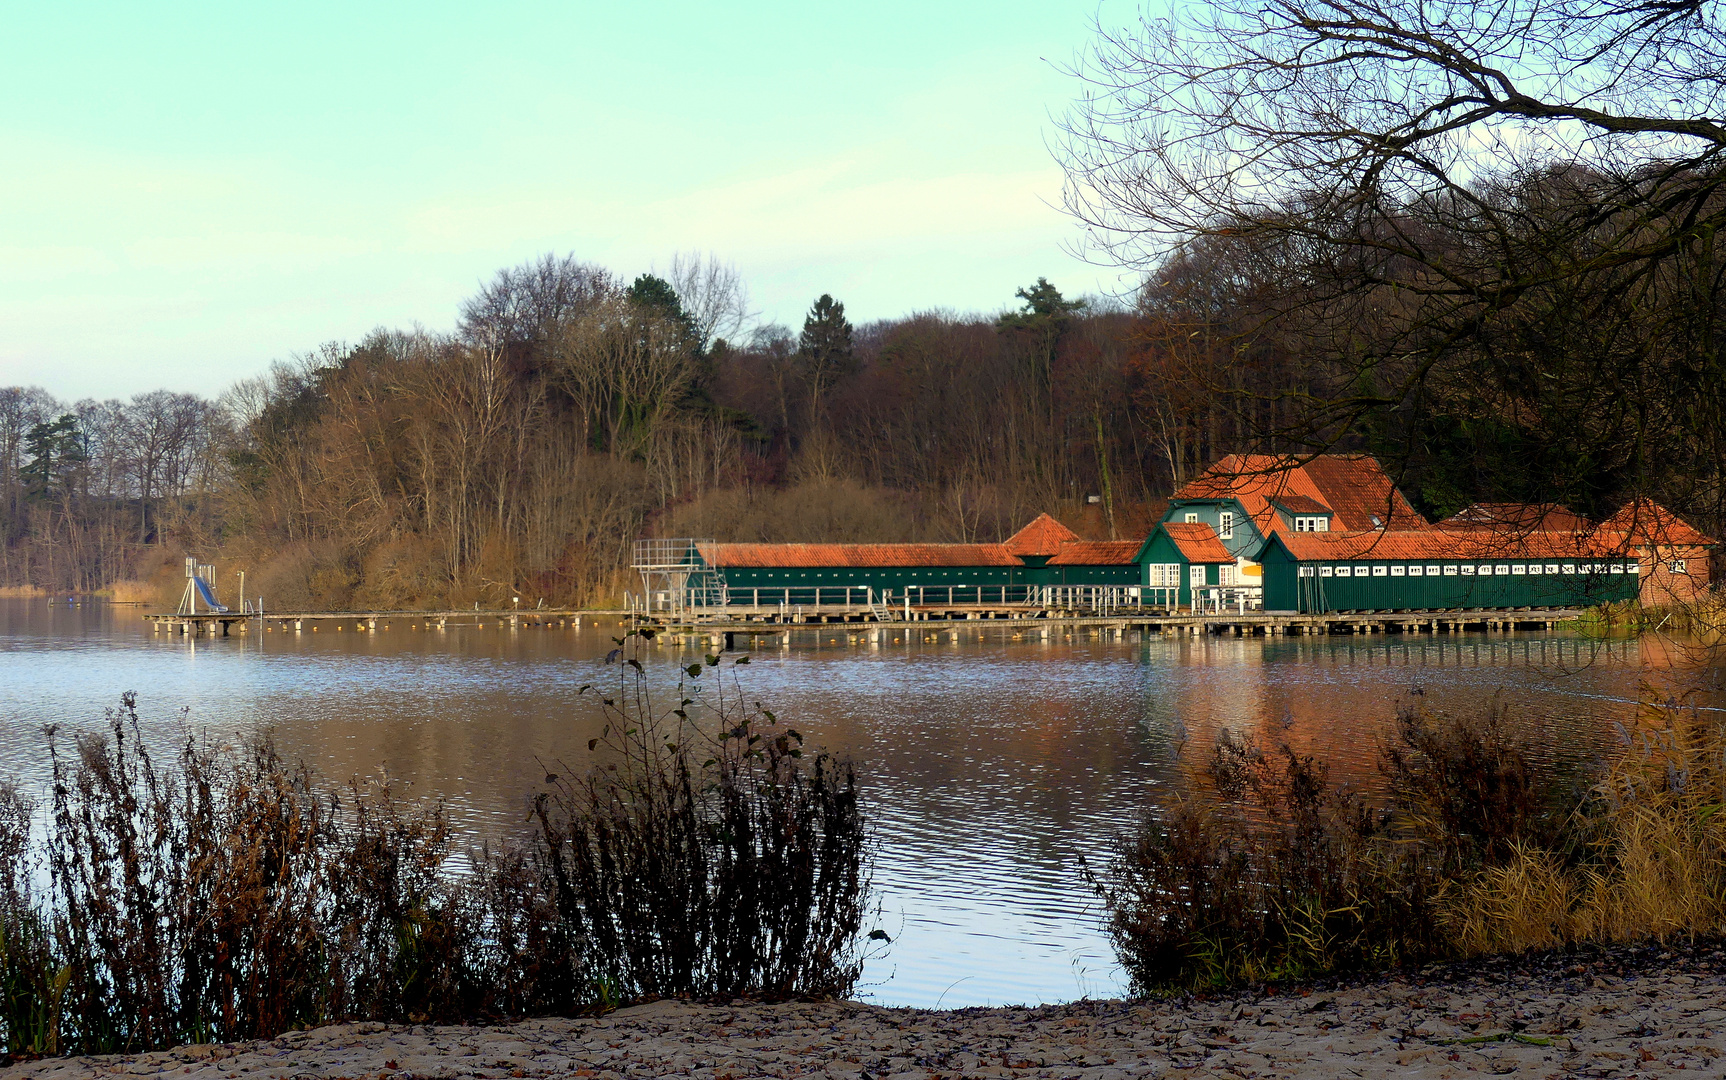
[{"x": 713, "y": 294}]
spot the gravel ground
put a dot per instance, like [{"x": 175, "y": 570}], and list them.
[{"x": 1643, "y": 1011}]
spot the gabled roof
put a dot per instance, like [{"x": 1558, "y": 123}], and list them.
[
  {"x": 1098, "y": 553},
  {"x": 1644, "y": 521},
  {"x": 1358, "y": 490},
  {"x": 1517, "y": 518},
  {"x": 858, "y": 555},
  {"x": 1353, "y": 488},
  {"x": 1043, "y": 536},
  {"x": 1197, "y": 542}
]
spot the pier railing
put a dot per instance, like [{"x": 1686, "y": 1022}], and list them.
[{"x": 792, "y": 602}]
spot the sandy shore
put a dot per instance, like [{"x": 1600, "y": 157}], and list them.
[{"x": 1620, "y": 1013}]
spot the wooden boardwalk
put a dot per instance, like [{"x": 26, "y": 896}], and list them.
[{"x": 741, "y": 630}]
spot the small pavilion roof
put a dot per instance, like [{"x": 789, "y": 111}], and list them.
[
  {"x": 1042, "y": 537},
  {"x": 1197, "y": 542},
  {"x": 1098, "y": 553},
  {"x": 1644, "y": 521}
]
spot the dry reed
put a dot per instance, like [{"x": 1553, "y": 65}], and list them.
[{"x": 225, "y": 894}]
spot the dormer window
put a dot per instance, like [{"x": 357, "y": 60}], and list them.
[
  {"x": 1311, "y": 524},
  {"x": 1226, "y": 525},
  {"x": 1192, "y": 518}
]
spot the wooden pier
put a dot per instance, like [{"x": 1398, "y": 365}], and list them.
[
  {"x": 746, "y": 629},
  {"x": 224, "y": 623}
]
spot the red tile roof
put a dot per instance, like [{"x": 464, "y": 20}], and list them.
[
  {"x": 1300, "y": 504},
  {"x": 857, "y": 555},
  {"x": 1197, "y": 542},
  {"x": 1097, "y": 553},
  {"x": 1517, "y": 518},
  {"x": 1043, "y": 536},
  {"x": 1357, "y": 489},
  {"x": 1353, "y": 487},
  {"x": 1645, "y": 521}
]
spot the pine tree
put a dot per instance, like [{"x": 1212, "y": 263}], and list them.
[{"x": 824, "y": 350}]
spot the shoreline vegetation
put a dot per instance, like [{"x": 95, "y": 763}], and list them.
[
  {"x": 227, "y": 895},
  {"x": 1585, "y": 1012}
]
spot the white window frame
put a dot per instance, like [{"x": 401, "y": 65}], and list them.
[
  {"x": 1326, "y": 571},
  {"x": 1196, "y": 576},
  {"x": 1343, "y": 571},
  {"x": 1399, "y": 570},
  {"x": 1435, "y": 569},
  {"x": 1679, "y": 566},
  {"x": 1306, "y": 571},
  {"x": 1518, "y": 568},
  {"x": 1414, "y": 570},
  {"x": 1226, "y": 525},
  {"x": 1192, "y": 518},
  {"x": 1362, "y": 571},
  {"x": 1380, "y": 570},
  {"x": 1466, "y": 569}
]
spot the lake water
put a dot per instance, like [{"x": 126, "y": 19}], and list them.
[{"x": 991, "y": 767}]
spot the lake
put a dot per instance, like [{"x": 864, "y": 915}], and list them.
[{"x": 991, "y": 767}]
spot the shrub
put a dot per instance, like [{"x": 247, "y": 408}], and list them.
[
  {"x": 1263, "y": 870},
  {"x": 707, "y": 857},
  {"x": 225, "y": 895}
]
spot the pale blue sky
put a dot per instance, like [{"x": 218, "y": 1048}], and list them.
[{"x": 190, "y": 191}]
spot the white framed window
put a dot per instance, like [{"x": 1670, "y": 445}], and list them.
[
  {"x": 1518, "y": 568},
  {"x": 1228, "y": 575},
  {"x": 1569, "y": 568},
  {"x": 1414, "y": 571},
  {"x": 1324, "y": 571},
  {"x": 1679, "y": 566},
  {"x": 1362, "y": 571},
  {"x": 1196, "y": 575},
  {"x": 1312, "y": 524},
  {"x": 1380, "y": 570},
  {"x": 1534, "y": 568},
  {"x": 1617, "y": 568},
  {"x": 1342, "y": 571},
  {"x": 1192, "y": 519},
  {"x": 1502, "y": 568},
  {"x": 1399, "y": 570},
  {"x": 1226, "y": 525},
  {"x": 1165, "y": 575},
  {"x": 1434, "y": 571},
  {"x": 1486, "y": 569},
  {"x": 1632, "y": 568},
  {"x": 1306, "y": 571},
  {"x": 1467, "y": 569},
  {"x": 1552, "y": 568}
]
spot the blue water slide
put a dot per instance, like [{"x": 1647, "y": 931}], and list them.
[{"x": 208, "y": 594}]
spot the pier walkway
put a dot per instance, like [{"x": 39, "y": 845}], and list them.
[{"x": 742, "y": 629}]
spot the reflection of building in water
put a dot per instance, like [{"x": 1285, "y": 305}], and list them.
[{"x": 1338, "y": 701}]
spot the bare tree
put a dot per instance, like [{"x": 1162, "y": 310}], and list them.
[{"x": 713, "y": 294}]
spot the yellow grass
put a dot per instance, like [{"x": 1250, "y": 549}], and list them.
[
  {"x": 1656, "y": 866},
  {"x": 131, "y": 592},
  {"x": 13, "y": 591}
]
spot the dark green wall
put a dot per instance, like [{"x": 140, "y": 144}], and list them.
[{"x": 1287, "y": 590}]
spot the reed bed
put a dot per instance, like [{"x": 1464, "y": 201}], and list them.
[
  {"x": 1262, "y": 870},
  {"x": 229, "y": 894}
]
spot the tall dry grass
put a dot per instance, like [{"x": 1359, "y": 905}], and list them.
[
  {"x": 1263, "y": 870},
  {"x": 1643, "y": 856},
  {"x": 224, "y": 893}
]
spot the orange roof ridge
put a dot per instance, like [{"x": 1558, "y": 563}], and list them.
[
  {"x": 1643, "y": 520},
  {"x": 1043, "y": 536},
  {"x": 858, "y": 555}
]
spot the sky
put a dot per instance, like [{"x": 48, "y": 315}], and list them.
[{"x": 189, "y": 192}]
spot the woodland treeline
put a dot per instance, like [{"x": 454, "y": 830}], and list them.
[{"x": 571, "y": 412}]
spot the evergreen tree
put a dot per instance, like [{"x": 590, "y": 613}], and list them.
[
  {"x": 54, "y": 451},
  {"x": 824, "y": 350}
]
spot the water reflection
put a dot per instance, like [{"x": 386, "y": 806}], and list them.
[{"x": 992, "y": 766}]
